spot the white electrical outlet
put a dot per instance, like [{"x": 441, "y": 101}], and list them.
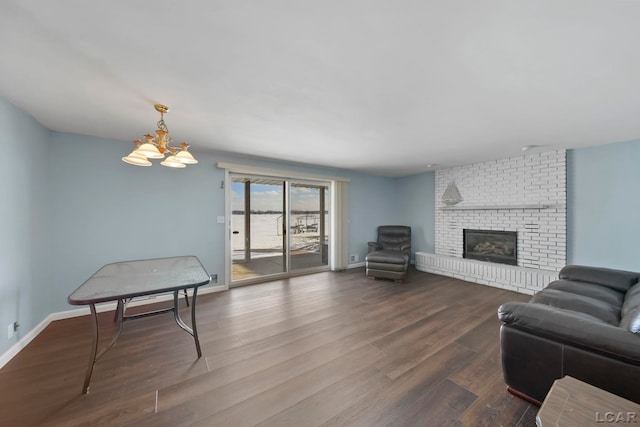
[
  {"x": 10, "y": 330},
  {"x": 220, "y": 220}
]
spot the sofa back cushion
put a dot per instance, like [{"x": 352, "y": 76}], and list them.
[
  {"x": 616, "y": 279},
  {"x": 599, "y": 292},
  {"x": 566, "y": 300}
]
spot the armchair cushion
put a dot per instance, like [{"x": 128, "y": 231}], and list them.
[
  {"x": 394, "y": 238},
  {"x": 373, "y": 246},
  {"x": 388, "y": 257}
]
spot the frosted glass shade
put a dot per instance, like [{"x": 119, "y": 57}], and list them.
[
  {"x": 172, "y": 162},
  {"x": 185, "y": 157},
  {"x": 150, "y": 151},
  {"x": 136, "y": 158}
]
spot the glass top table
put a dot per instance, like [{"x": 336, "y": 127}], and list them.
[{"x": 122, "y": 281}]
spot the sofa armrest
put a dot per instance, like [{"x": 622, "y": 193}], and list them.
[
  {"x": 619, "y": 280},
  {"x": 406, "y": 248},
  {"x": 572, "y": 328},
  {"x": 373, "y": 246}
]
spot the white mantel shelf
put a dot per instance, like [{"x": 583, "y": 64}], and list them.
[{"x": 494, "y": 207}]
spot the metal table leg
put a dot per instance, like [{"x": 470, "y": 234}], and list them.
[
  {"x": 193, "y": 330},
  {"x": 193, "y": 322},
  {"x": 94, "y": 349}
]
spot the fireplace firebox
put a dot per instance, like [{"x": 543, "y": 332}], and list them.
[{"x": 491, "y": 246}]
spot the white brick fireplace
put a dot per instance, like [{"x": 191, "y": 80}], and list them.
[{"x": 525, "y": 194}]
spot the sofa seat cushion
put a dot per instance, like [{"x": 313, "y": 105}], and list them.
[
  {"x": 599, "y": 292},
  {"x": 579, "y": 303},
  {"x": 387, "y": 257}
]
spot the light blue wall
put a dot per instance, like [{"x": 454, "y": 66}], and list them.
[
  {"x": 371, "y": 203},
  {"x": 105, "y": 210},
  {"x": 603, "y": 206},
  {"x": 23, "y": 217},
  {"x": 416, "y": 206}
]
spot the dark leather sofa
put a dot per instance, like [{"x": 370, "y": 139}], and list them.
[{"x": 586, "y": 324}]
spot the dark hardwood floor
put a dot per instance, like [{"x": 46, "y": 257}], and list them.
[{"x": 328, "y": 349}]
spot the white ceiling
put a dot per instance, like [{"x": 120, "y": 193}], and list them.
[{"x": 385, "y": 87}]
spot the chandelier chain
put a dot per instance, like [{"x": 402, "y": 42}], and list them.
[{"x": 162, "y": 125}]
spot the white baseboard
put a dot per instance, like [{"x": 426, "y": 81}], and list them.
[
  {"x": 83, "y": 311},
  {"x": 22, "y": 342}
]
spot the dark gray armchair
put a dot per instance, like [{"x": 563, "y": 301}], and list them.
[{"x": 389, "y": 255}]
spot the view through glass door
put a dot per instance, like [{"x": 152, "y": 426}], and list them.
[
  {"x": 308, "y": 236},
  {"x": 278, "y": 226}
]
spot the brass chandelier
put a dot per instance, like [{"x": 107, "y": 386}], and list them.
[{"x": 159, "y": 146}]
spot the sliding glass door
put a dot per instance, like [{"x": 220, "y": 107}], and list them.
[
  {"x": 257, "y": 243},
  {"x": 278, "y": 227},
  {"x": 308, "y": 236}
]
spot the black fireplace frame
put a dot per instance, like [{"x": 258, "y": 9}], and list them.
[{"x": 509, "y": 260}]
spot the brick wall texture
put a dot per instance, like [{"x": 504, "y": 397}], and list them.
[{"x": 514, "y": 186}]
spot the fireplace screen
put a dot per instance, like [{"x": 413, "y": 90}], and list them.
[{"x": 492, "y": 246}]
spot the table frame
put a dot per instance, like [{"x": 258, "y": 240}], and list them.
[{"x": 120, "y": 317}]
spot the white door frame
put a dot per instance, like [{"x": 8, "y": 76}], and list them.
[{"x": 338, "y": 222}]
